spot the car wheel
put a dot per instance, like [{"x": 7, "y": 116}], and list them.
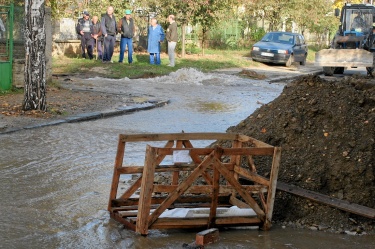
[
  {"x": 339, "y": 70},
  {"x": 328, "y": 71},
  {"x": 303, "y": 62},
  {"x": 290, "y": 61}
]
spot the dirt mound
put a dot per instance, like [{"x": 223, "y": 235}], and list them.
[{"x": 327, "y": 134}]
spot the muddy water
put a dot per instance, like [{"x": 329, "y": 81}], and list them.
[{"x": 55, "y": 181}]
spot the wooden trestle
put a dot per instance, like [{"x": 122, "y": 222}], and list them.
[{"x": 218, "y": 168}]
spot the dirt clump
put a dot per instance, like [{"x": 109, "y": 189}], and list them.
[
  {"x": 327, "y": 134},
  {"x": 252, "y": 74}
]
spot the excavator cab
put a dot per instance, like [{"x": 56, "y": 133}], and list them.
[{"x": 353, "y": 44}]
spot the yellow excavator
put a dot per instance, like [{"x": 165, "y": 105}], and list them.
[{"x": 353, "y": 44}]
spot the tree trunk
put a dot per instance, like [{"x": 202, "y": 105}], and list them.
[
  {"x": 35, "y": 63},
  {"x": 183, "y": 38},
  {"x": 204, "y": 32}
]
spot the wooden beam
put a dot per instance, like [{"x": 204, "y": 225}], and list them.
[
  {"x": 176, "y": 136},
  {"x": 327, "y": 200},
  {"x": 181, "y": 199},
  {"x": 136, "y": 185},
  {"x": 272, "y": 188},
  {"x": 146, "y": 191},
  {"x": 266, "y": 151},
  {"x": 181, "y": 188},
  {"x": 116, "y": 176},
  {"x": 252, "y": 176},
  {"x": 215, "y": 199},
  {"x": 236, "y": 202},
  {"x": 207, "y": 189},
  {"x": 246, "y": 196},
  {"x": 125, "y": 222},
  {"x": 167, "y": 223},
  {"x": 197, "y": 160},
  {"x": 257, "y": 143},
  {"x": 160, "y": 168}
]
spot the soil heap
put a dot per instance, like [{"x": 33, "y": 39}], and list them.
[{"x": 327, "y": 134}]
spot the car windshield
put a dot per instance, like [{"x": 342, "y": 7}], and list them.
[{"x": 279, "y": 38}]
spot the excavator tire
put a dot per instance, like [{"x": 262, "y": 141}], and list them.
[
  {"x": 339, "y": 70},
  {"x": 328, "y": 71}
]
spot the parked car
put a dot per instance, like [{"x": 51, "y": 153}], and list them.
[{"x": 281, "y": 48}]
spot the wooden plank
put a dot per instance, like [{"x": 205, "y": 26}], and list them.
[
  {"x": 126, "y": 223},
  {"x": 197, "y": 160},
  {"x": 181, "y": 199},
  {"x": 207, "y": 189},
  {"x": 176, "y": 136},
  {"x": 146, "y": 191},
  {"x": 327, "y": 200},
  {"x": 252, "y": 176},
  {"x": 236, "y": 159},
  {"x": 272, "y": 188},
  {"x": 160, "y": 168},
  {"x": 167, "y": 223},
  {"x": 257, "y": 143},
  {"x": 215, "y": 199},
  {"x": 237, "y": 221},
  {"x": 181, "y": 188},
  {"x": 250, "y": 162},
  {"x": 130, "y": 191},
  {"x": 236, "y": 202},
  {"x": 267, "y": 151},
  {"x": 116, "y": 176},
  {"x": 246, "y": 196},
  {"x": 174, "y": 205},
  {"x": 176, "y": 174}
]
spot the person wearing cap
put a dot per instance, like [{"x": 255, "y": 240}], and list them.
[
  {"x": 97, "y": 35},
  {"x": 109, "y": 31},
  {"x": 155, "y": 37},
  {"x": 126, "y": 27},
  {"x": 171, "y": 36},
  {"x": 84, "y": 28}
]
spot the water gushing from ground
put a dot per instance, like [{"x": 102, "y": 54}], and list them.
[{"x": 55, "y": 181}]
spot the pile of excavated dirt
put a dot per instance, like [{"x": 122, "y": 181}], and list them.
[{"x": 327, "y": 133}]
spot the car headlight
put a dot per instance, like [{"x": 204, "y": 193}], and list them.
[
  {"x": 281, "y": 51},
  {"x": 256, "y": 48}
]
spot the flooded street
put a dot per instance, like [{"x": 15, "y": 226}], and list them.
[{"x": 55, "y": 181}]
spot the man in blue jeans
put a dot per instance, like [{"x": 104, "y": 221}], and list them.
[
  {"x": 108, "y": 26},
  {"x": 126, "y": 28}
]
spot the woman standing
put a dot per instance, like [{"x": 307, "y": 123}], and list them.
[{"x": 155, "y": 37}]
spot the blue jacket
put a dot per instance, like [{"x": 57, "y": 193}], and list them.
[{"x": 155, "y": 36}]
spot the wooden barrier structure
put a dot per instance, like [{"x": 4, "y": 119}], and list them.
[{"x": 210, "y": 180}]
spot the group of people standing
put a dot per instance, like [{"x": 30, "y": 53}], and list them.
[{"x": 93, "y": 34}]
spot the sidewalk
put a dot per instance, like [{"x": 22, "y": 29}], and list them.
[{"x": 69, "y": 105}]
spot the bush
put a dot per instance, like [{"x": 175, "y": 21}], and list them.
[{"x": 257, "y": 33}]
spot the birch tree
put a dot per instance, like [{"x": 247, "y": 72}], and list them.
[{"x": 35, "y": 61}]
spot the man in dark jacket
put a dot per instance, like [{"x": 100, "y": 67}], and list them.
[
  {"x": 83, "y": 29},
  {"x": 126, "y": 28},
  {"x": 96, "y": 34},
  {"x": 108, "y": 25}
]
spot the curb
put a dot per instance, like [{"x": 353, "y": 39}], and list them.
[{"x": 94, "y": 115}]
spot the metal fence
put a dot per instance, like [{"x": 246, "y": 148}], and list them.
[{"x": 6, "y": 46}]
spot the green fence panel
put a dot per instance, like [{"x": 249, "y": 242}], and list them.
[{"x": 6, "y": 46}]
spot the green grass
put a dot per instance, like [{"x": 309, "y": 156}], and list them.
[
  {"x": 311, "y": 53},
  {"x": 213, "y": 59},
  {"x": 13, "y": 90}
]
